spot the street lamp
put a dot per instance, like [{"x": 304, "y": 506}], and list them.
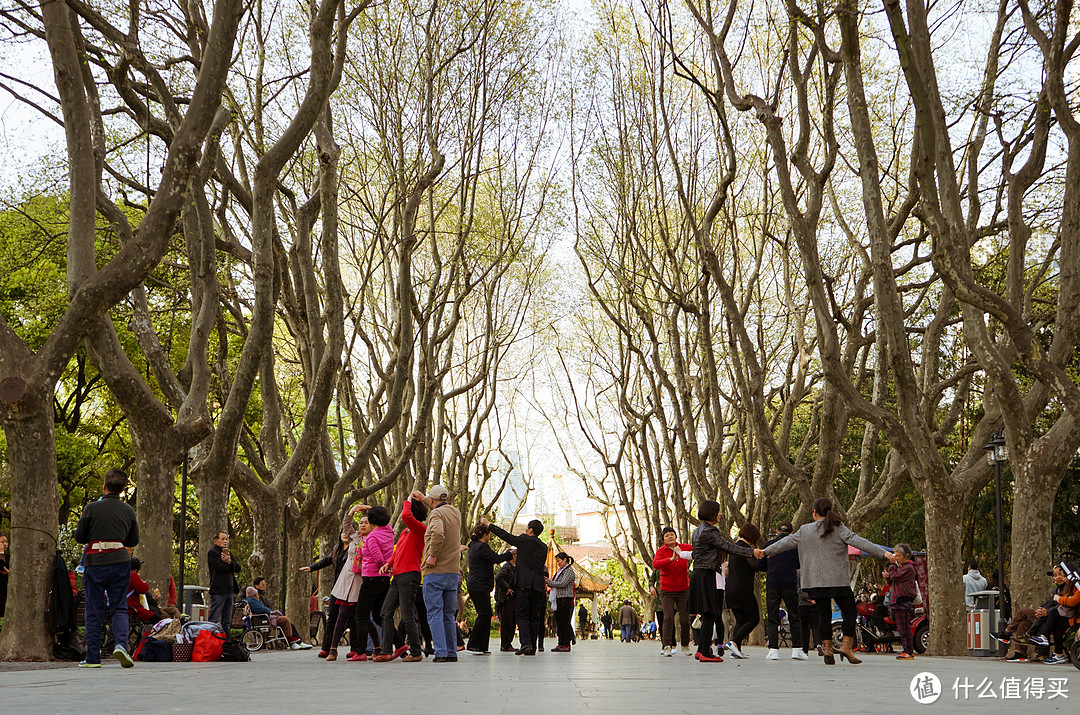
[{"x": 996, "y": 454}]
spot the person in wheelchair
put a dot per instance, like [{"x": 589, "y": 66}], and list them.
[
  {"x": 277, "y": 619},
  {"x": 1058, "y": 614}
]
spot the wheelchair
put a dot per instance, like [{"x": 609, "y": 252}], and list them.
[{"x": 259, "y": 633}]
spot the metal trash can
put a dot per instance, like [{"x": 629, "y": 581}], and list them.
[{"x": 982, "y": 621}]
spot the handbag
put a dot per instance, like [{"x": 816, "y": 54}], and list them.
[
  {"x": 357, "y": 560},
  {"x": 696, "y": 623},
  {"x": 918, "y": 595},
  {"x": 182, "y": 652},
  {"x": 208, "y": 647}
]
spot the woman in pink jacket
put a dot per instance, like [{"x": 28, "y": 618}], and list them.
[{"x": 377, "y": 551}]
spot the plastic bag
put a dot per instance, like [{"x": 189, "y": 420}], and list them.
[
  {"x": 208, "y": 647},
  {"x": 191, "y": 630}
]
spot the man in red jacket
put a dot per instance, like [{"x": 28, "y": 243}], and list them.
[
  {"x": 672, "y": 560},
  {"x": 404, "y": 568}
]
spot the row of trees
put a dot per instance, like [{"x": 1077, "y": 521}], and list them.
[
  {"x": 327, "y": 292},
  {"x": 818, "y": 269},
  {"x": 304, "y": 248}
]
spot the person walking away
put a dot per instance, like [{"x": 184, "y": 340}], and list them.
[
  {"x": 626, "y": 622},
  {"x": 706, "y": 598},
  {"x": 782, "y": 586},
  {"x": 481, "y": 581},
  {"x": 823, "y": 557},
  {"x": 404, "y": 572},
  {"x": 223, "y": 585},
  {"x": 108, "y": 528},
  {"x": 741, "y": 583},
  {"x": 346, "y": 591},
  {"x": 562, "y": 600},
  {"x": 442, "y": 571},
  {"x": 529, "y": 582},
  {"x": 902, "y": 591},
  {"x": 973, "y": 582},
  {"x": 672, "y": 562},
  {"x": 582, "y": 620},
  {"x": 506, "y": 600},
  {"x": 606, "y": 622},
  {"x": 375, "y": 552},
  {"x": 337, "y": 558}
]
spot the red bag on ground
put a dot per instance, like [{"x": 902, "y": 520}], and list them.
[{"x": 208, "y": 646}]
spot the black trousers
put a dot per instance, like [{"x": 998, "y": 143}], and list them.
[
  {"x": 530, "y": 616},
  {"x": 508, "y": 621},
  {"x": 564, "y": 620},
  {"x": 845, "y": 599},
  {"x": 808, "y": 617},
  {"x": 790, "y": 598},
  {"x": 480, "y": 638},
  {"x": 370, "y": 603},
  {"x": 745, "y": 609}
]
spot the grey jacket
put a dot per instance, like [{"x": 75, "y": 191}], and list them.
[
  {"x": 823, "y": 561},
  {"x": 563, "y": 583}
]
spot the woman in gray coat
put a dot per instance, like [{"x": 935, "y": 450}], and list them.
[{"x": 823, "y": 561}]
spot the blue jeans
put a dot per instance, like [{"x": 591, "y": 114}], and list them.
[
  {"x": 440, "y": 599},
  {"x": 101, "y": 585},
  {"x": 626, "y": 633}
]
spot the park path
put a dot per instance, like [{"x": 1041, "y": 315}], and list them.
[{"x": 598, "y": 676}]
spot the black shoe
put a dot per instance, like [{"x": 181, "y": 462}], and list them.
[
  {"x": 541, "y": 649},
  {"x": 509, "y": 649},
  {"x": 441, "y": 659},
  {"x": 529, "y": 651},
  {"x": 451, "y": 659},
  {"x": 521, "y": 650}
]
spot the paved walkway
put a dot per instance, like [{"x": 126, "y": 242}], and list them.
[{"x": 600, "y": 676}]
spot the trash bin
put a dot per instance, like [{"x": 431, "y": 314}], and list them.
[
  {"x": 195, "y": 604},
  {"x": 982, "y": 621}
]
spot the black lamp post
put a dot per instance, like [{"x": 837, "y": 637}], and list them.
[{"x": 996, "y": 454}]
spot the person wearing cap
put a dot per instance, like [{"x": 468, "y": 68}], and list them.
[
  {"x": 442, "y": 571},
  {"x": 782, "y": 585},
  {"x": 529, "y": 581},
  {"x": 108, "y": 528}
]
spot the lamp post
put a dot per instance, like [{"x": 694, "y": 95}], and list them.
[{"x": 996, "y": 454}]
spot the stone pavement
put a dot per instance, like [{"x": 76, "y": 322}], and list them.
[{"x": 600, "y": 676}]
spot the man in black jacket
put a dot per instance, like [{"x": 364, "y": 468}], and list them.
[
  {"x": 782, "y": 584},
  {"x": 108, "y": 529},
  {"x": 223, "y": 585},
  {"x": 529, "y": 581}
]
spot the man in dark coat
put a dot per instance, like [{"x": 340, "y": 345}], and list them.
[
  {"x": 782, "y": 584},
  {"x": 529, "y": 581},
  {"x": 223, "y": 586},
  {"x": 108, "y": 528}
]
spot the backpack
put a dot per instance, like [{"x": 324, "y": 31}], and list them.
[
  {"x": 234, "y": 652},
  {"x": 154, "y": 651}
]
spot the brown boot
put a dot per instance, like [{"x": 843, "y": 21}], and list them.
[
  {"x": 846, "y": 650},
  {"x": 826, "y": 647}
]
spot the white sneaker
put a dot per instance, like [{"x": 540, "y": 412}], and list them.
[
  {"x": 304, "y": 646},
  {"x": 773, "y": 654},
  {"x": 686, "y": 651},
  {"x": 735, "y": 652},
  {"x": 669, "y": 651},
  {"x": 797, "y": 654},
  {"x": 296, "y": 645},
  {"x": 122, "y": 655}
]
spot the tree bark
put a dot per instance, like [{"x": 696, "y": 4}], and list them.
[
  {"x": 944, "y": 519},
  {"x": 31, "y": 449}
]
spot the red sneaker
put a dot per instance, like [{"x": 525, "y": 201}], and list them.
[
  {"x": 358, "y": 657},
  {"x": 399, "y": 652}
]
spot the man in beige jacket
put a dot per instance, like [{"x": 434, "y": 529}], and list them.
[{"x": 442, "y": 571}]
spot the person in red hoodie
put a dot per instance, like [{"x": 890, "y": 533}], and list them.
[
  {"x": 404, "y": 569},
  {"x": 672, "y": 560}
]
